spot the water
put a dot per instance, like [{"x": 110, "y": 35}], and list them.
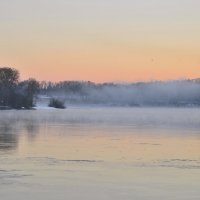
[{"x": 100, "y": 153}]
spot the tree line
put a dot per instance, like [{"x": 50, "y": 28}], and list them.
[
  {"x": 23, "y": 94},
  {"x": 177, "y": 93}
]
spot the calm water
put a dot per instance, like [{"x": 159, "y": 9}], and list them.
[{"x": 100, "y": 154}]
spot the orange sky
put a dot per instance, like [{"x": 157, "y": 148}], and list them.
[{"x": 101, "y": 41}]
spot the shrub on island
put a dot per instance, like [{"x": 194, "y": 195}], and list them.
[{"x": 56, "y": 103}]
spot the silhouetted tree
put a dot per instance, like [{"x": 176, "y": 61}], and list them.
[
  {"x": 26, "y": 92},
  {"x": 15, "y": 94},
  {"x": 9, "y": 78}
]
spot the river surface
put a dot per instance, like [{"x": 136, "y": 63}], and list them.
[{"x": 98, "y": 153}]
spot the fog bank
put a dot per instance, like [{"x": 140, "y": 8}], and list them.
[{"x": 171, "y": 93}]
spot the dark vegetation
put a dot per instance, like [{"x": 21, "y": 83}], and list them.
[
  {"x": 16, "y": 94},
  {"x": 22, "y": 95},
  {"x": 56, "y": 103}
]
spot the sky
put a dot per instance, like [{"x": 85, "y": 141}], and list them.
[{"x": 101, "y": 40}]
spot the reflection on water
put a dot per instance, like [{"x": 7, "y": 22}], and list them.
[
  {"x": 11, "y": 130},
  {"x": 8, "y": 141},
  {"x": 8, "y": 138},
  {"x": 100, "y": 153}
]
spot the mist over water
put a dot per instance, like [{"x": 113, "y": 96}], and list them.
[
  {"x": 144, "y": 118},
  {"x": 100, "y": 153},
  {"x": 171, "y": 93}
]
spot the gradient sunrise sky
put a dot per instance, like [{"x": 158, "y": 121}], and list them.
[{"x": 101, "y": 40}]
